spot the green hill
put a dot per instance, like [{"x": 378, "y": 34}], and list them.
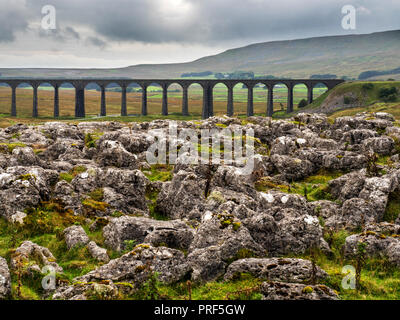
[
  {"x": 347, "y": 55},
  {"x": 352, "y": 97}
]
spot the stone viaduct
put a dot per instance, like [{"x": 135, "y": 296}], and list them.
[{"x": 207, "y": 85}]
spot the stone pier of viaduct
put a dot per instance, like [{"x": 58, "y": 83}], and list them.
[{"x": 207, "y": 85}]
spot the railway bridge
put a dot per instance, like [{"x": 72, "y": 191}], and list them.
[{"x": 206, "y": 84}]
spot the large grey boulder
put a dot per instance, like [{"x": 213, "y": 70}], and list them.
[
  {"x": 100, "y": 254},
  {"x": 296, "y": 291},
  {"x": 113, "y": 153},
  {"x": 174, "y": 234},
  {"x": 348, "y": 186},
  {"x": 23, "y": 188},
  {"x": 24, "y": 156},
  {"x": 62, "y": 147},
  {"x": 357, "y": 136},
  {"x": 381, "y": 145},
  {"x": 75, "y": 236},
  {"x": 219, "y": 239},
  {"x": 343, "y": 160},
  {"x": 35, "y": 256},
  {"x": 88, "y": 291},
  {"x": 189, "y": 188},
  {"x": 230, "y": 178},
  {"x": 376, "y": 245},
  {"x": 135, "y": 266},
  {"x": 275, "y": 269},
  {"x": 131, "y": 184},
  {"x": 292, "y": 168}
]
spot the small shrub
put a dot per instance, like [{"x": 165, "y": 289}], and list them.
[
  {"x": 303, "y": 103},
  {"x": 367, "y": 86},
  {"x": 388, "y": 94},
  {"x": 129, "y": 245},
  {"x": 360, "y": 262},
  {"x": 91, "y": 139},
  {"x": 347, "y": 100}
]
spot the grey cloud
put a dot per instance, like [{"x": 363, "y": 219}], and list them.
[
  {"x": 72, "y": 33},
  {"x": 96, "y": 42},
  {"x": 60, "y": 34},
  {"x": 13, "y": 18},
  {"x": 214, "y": 21}
]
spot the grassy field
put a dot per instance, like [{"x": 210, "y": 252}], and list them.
[{"x": 134, "y": 101}]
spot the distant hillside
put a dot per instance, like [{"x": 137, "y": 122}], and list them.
[
  {"x": 339, "y": 55},
  {"x": 357, "y": 95}
]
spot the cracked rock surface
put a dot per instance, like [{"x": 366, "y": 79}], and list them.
[{"x": 203, "y": 222}]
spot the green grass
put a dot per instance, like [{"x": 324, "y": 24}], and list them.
[
  {"x": 11, "y": 146},
  {"x": 216, "y": 290},
  {"x": 392, "y": 108},
  {"x": 379, "y": 280},
  {"x": 393, "y": 207},
  {"x": 315, "y": 187},
  {"x": 151, "y": 196},
  {"x": 159, "y": 172}
]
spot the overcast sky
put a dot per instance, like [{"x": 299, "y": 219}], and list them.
[{"x": 118, "y": 33}]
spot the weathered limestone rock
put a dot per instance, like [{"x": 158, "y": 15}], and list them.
[
  {"x": 170, "y": 264},
  {"x": 376, "y": 245},
  {"x": 219, "y": 215},
  {"x": 174, "y": 234},
  {"x": 344, "y": 160},
  {"x": 113, "y": 153},
  {"x": 131, "y": 184},
  {"x": 25, "y": 156},
  {"x": 24, "y": 187},
  {"x": 189, "y": 189},
  {"x": 36, "y": 256},
  {"x": 98, "y": 253},
  {"x": 347, "y": 186},
  {"x": 85, "y": 291},
  {"x": 325, "y": 208},
  {"x": 296, "y": 291},
  {"x": 381, "y": 145},
  {"x": 292, "y": 168},
  {"x": 75, "y": 236},
  {"x": 5, "y": 279},
  {"x": 275, "y": 269},
  {"x": 218, "y": 239}
]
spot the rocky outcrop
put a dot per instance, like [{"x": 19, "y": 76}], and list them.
[
  {"x": 376, "y": 244},
  {"x": 296, "y": 291},
  {"x": 135, "y": 266},
  {"x": 35, "y": 257},
  {"x": 221, "y": 222},
  {"x": 189, "y": 189},
  {"x": 75, "y": 236},
  {"x": 100, "y": 254},
  {"x": 173, "y": 234},
  {"x": 88, "y": 291},
  {"x": 275, "y": 269}
]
